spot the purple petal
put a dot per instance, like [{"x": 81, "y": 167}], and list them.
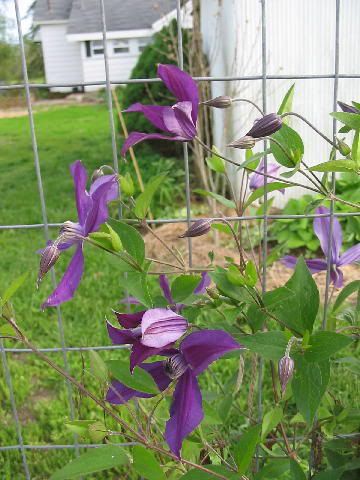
[
  {"x": 98, "y": 213},
  {"x": 181, "y": 85},
  {"x": 350, "y": 256},
  {"x": 137, "y": 137},
  {"x": 154, "y": 113},
  {"x": 160, "y": 327},
  {"x": 185, "y": 413},
  {"x": 69, "y": 282},
  {"x": 322, "y": 229},
  {"x": 83, "y": 201},
  {"x": 204, "y": 347},
  {"x": 204, "y": 283},
  {"x": 157, "y": 371},
  {"x": 140, "y": 352},
  {"x": 182, "y": 111},
  {"x": 129, "y": 320},
  {"x": 112, "y": 190},
  {"x": 165, "y": 287},
  {"x": 315, "y": 265},
  {"x": 337, "y": 277},
  {"x": 257, "y": 180},
  {"x": 120, "y": 336},
  {"x": 118, "y": 393}
]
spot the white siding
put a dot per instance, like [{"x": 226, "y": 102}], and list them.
[
  {"x": 300, "y": 40},
  {"x": 62, "y": 59},
  {"x": 120, "y": 65}
]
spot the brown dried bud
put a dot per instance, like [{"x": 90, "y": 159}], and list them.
[
  {"x": 286, "y": 370},
  {"x": 48, "y": 259},
  {"x": 219, "y": 102},
  {"x": 243, "y": 143},
  {"x": 198, "y": 228}
]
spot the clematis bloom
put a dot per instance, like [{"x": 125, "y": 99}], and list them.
[
  {"x": 149, "y": 332},
  {"x": 177, "y": 121},
  {"x": 195, "y": 353},
  {"x": 92, "y": 212},
  {"x": 257, "y": 180},
  {"x": 337, "y": 260}
]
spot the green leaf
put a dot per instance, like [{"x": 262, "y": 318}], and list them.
[
  {"x": 271, "y": 419},
  {"x": 348, "y": 290},
  {"x": 12, "y": 289},
  {"x": 126, "y": 184},
  {"x": 324, "y": 344},
  {"x": 7, "y": 331},
  {"x": 142, "y": 203},
  {"x": 335, "y": 166},
  {"x": 259, "y": 192},
  {"x": 146, "y": 465},
  {"x": 291, "y": 143},
  {"x": 219, "y": 198},
  {"x": 230, "y": 290},
  {"x": 103, "y": 239},
  {"x": 286, "y": 104},
  {"x": 297, "y": 303},
  {"x": 274, "y": 469},
  {"x": 215, "y": 162},
  {"x": 196, "y": 474},
  {"x": 269, "y": 345},
  {"x": 355, "y": 150},
  {"x": 245, "y": 448},
  {"x": 136, "y": 284},
  {"x": 296, "y": 471},
  {"x": 98, "y": 366},
  {"x": 309, "y": 385},
  {"x": 183, "y": 286},
  {"x": 251, "y": 273},
  {"x": 139, "y": 380},
  {"x": 351, "y": 120},
  {"x": 131, "y": 239},
  {"x": 79, "y": 427},
  {"x": 211, "y": 416},
  {"x": 95, "y": 460},
  {"x": 252, "y": 160}
]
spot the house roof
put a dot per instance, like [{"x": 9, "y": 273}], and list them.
[{"x": 84, "y": 15}]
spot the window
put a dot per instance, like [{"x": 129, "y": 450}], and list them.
[
  {"x": 121, "y": 46},
  {"x": 97, "y": 47},
  {"x": 143, "y": 42}
]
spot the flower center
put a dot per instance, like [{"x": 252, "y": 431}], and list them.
[
  {"x": 70, "y": 232},
  {"x": 175, "y": 366}
]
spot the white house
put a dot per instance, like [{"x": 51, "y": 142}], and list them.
[{"x": 71, "y": 35}]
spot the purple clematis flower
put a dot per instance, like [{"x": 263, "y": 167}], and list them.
[
  {"x": 196, "y": 352},
  {"x": 257, "y": 180},
  {"x": 348, "y": 108},
  {"x": 92, "y": 212},
  {"x": 165, "y": 287},
  {"x": 177, "y": 121},
  {"x": 149, "y": 332},
  {"x": 321, "y": 228}
]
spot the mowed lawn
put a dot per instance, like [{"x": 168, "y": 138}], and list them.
[{"x": 64, "y": 134}]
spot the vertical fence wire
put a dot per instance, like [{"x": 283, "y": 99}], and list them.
[
  {"x": 43, "y": 202},
  {"x": 185, "y": 146}
]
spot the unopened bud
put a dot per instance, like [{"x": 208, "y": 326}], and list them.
[
  {"x": 48, "y": 259},
  {"x": 223, "y": 101},
  {"x": 97, "y": 174},
  {"x": 286, "y": 370},
  {"x": 198, "y": 228},
  {"x": 213, "y": 293},
  {"x": 244, "y": 143},
  {"x": 265, "y": 126},
  {"x": 343, "y": 147},
  {"x": 348, "y": 108}
]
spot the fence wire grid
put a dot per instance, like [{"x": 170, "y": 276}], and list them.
[{"x": 46, "y": 225}]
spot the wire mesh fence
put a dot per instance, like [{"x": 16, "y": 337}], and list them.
[{"x": 45, "y": 225}]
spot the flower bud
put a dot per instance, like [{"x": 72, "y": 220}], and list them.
[
  {"x": 213, "y": 293},
  {"x": 265, "y": 126},
  {"x": 160, "y": 327},
  {"x": 198, "y": 228},
  {"x": 243, "y": 143},
  {"x": 175, "y": 366},
  {"x": 348, "y": 108},
  {"x": 286, "y": 369},
  {"x": 223, "y": 101},
  {"x": 343, "y": 147},
  {"x": 48, "y": 259}
]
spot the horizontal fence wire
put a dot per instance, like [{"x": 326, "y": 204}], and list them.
[{"x": 45, "y": 225}]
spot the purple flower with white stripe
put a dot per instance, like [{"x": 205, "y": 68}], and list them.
[
  {"x": 195, "y": 353},
  {"x": 149, "y": 332},
  {"x": 337, "y": 260},
  {"x": 177, "y": 121},
  {"x": 257, "y": 180},
  {"x": 92, "y": 208}
]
